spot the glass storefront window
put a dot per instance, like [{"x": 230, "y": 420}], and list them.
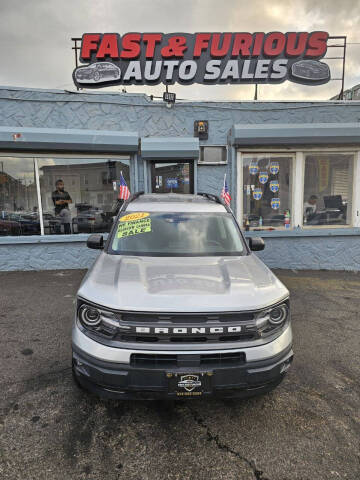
[
  {"x": 80, "y": 195},
  {"x": 172, "y": 177},
  {"x": 19, "y": 212},
  {"x": 328, "y": 189},
  {"x": 267, "y": 191}
]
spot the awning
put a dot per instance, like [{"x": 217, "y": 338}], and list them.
[
  {"x": 295, "y": 134},
  {"x": 61, "y": 139},
  {"x": 169, "y": 148}
]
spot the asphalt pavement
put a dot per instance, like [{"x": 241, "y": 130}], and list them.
[{"x": 308, "y": 428}]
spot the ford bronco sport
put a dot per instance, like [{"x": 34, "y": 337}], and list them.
[{"x": 177, "y": 306}]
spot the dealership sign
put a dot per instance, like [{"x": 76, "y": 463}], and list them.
[{"x": 205, "y": 58}]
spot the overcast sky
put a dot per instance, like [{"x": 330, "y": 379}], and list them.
[{"x": 35, "y": 37}]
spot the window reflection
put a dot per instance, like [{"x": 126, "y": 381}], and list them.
[
  {"x": 80, "y": 195},
  {"x": 19, "y": 212},
  {"x": 328, "y": 189},
  {"x": 267, "y": 191}
]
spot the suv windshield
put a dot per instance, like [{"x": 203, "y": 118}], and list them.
[{"x": 177, "y": 234}]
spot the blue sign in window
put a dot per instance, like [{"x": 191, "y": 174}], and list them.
[{"x": 172, "y": 183}]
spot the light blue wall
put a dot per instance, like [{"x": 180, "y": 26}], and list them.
[
  {"x": 135, "y": 112},
  {"x": 315, "y": 250},
  {"x": 46, "y": 256},
  {"x": 301, "y": 253}
]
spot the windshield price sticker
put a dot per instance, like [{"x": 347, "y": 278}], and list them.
[
  {"x": 134, "y": 227},
  {"x": 134, "y": 216}
]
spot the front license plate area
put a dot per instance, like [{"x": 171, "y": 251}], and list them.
[{"x": 189, "y": 384}]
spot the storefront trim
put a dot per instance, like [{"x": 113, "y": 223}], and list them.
[
  {"x": 59, "y": 139},
  {"x": 174, "y": 148},
  {"x": 79, "y": 237},
  {"x": 294, "y": 134}
]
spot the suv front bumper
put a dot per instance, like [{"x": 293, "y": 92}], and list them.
[{"x": 109, "y": 373}]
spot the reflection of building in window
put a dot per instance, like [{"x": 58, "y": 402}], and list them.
[
  {"x": 18, "y": 198},
  {"x": 81, "y": 181},
  {"x": 17, "y": 194},
  {"x": 91, "y": 188}
]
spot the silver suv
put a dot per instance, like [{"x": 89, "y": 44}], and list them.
[{"x": 178, "y": 306}]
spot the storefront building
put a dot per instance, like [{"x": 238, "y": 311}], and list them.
[{"x": 292, "y": 168}]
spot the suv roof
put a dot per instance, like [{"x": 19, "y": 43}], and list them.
[{"x": 175, "y": 202}]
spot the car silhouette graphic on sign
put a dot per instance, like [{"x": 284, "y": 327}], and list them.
[
  {"x": 97, "y": 73},
  {"x": 311, "y": 70}
]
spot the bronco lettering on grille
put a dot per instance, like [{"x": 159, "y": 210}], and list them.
[{"x": 188, "y": 330}]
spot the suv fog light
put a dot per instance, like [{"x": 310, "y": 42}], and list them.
[
  {"x": 89, "y": 316},
  {"x": 278, "y": 314},
  {"x": 285, "y": 366}
]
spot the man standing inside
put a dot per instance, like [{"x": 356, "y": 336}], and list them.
[{"x": 61, "y": 200}]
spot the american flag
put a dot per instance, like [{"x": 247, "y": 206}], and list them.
[
  {"x": 124, "y": 192},
  {"x": 225, "y": 195}
]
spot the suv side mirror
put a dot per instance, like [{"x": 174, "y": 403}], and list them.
[
  {"x": 256, "y": 244},
  {"x": 95, "y": 241}
]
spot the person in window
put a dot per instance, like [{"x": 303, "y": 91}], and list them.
[
  {"x": 61, "y": 200},
  {"x": 310, "y": 208}
]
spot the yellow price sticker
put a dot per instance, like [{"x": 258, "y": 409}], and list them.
[
  {"x": 131, "y": 217},
  {"x": 134, "y": 227}
]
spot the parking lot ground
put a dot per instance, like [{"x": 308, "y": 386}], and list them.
[{"x": 308, "y": 428}]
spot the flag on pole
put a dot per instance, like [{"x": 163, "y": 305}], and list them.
[
  {"x": 225, "y": 195},
  {"x": 124, "y": 192}
]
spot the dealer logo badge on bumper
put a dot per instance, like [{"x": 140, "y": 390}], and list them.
[{"x": 189, "y": 382}]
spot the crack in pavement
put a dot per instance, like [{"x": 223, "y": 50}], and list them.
[{"x": 259, "y": 474}]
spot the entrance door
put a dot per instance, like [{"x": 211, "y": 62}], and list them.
[{"x": 172, "y": 177}]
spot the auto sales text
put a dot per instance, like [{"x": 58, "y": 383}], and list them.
[{"x": 207, "y": 58}]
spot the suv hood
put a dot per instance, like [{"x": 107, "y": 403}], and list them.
[{"x": 181, "y": 284}]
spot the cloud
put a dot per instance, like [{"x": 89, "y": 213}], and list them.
[{"x": 35, "y": 37}]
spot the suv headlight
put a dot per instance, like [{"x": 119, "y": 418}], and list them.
[
  {"x": 278, "y": 315},
  {"x": 97, "y": 320},
  {"x": 90, "y": 316},
  {"x": 273, "y": 318}
]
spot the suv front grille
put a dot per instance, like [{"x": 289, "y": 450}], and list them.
[
  {"x": 207, "y": 360},
  {"x": 181, "y": 328},
  {"x": 178, "y": 339}
]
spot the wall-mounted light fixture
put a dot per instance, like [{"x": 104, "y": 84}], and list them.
[{"x": 201, "y": 129}]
